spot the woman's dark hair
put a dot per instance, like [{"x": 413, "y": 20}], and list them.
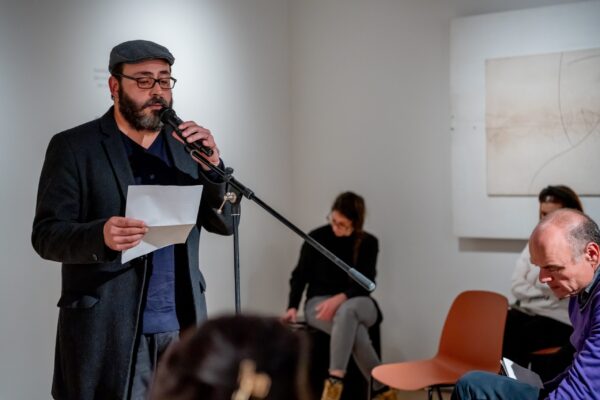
[
  {"x": 562, "y": 195},
  {"x": 352, "y": 206},
  {"x": 205, "y": 364}
]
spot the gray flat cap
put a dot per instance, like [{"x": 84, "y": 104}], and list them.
[{"x": 135, "y": 51}]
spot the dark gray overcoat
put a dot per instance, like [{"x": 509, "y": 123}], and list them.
[{"x": 83, "y": 182}]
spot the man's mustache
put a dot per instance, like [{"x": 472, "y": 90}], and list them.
[{"x": 156, "y": 101}]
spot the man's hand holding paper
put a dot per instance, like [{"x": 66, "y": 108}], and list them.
[
  {"x": 122, "y": 233},
  {"x": 155, "y": 216}
]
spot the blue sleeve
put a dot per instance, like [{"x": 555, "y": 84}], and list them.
[{"x": 582, "y": 379}]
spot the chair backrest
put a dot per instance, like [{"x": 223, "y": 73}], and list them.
[{"x": 474, "y": 329}]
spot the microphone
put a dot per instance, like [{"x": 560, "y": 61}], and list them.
[{"x": 167, "y": 116}]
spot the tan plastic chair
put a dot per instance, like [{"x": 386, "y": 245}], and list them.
[{"x": 471, "y": 340}]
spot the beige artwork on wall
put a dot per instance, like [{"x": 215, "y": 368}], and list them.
[{"x": 542, "y": 122}]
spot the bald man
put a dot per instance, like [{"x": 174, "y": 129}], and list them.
[{"x": 566, "y": 247}]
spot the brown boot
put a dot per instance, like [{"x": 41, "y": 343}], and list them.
[
  {"x": 389, "y": 394},
  {"x": 332, "y": 389}
]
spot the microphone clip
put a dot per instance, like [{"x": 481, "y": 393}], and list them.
[{"x": 230, "y": 197}]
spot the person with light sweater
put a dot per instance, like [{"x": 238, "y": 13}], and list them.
[
  {"x": 538, "y": 319},
  {"x": 565, "y": 246}
]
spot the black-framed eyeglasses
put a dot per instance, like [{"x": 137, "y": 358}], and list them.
[
  {"x": 148, "y": 82},
  {"x": 339, "y": 224}
]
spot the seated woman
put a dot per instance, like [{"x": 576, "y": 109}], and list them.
[
  {"x": 237, "y": 358},
  {"x": 539, "y": 320},
  {"x": 335, "y": 303}
]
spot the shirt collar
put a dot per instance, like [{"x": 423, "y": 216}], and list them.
[
  {"x": 155, "y": 148},
  {"x": 586, "y": 293}
]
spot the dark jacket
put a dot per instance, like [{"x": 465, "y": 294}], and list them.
[
  {"x": 84, "y": 182},
  {"x": 322, "y": 276}
]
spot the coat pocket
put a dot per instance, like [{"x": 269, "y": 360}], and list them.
[{"x": 77, "y": 300}]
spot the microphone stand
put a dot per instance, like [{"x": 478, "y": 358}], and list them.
[
  {"x": 236, "y": 213},
  {"x": 234, "y": 197}
]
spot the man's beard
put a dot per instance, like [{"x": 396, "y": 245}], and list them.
[{"x": 134, "y": 113}]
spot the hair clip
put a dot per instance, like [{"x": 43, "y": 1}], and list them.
[{"x": 251, "y": 384}]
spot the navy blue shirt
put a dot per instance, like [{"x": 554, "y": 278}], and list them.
[{"x": 154, "y": 166}]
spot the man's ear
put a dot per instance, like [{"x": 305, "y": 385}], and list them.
[
  {"x": 592, "y": 253},
  {"x": 113, "y": 85}
]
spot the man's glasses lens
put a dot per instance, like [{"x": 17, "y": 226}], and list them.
[{"x": 147, "y": 82}]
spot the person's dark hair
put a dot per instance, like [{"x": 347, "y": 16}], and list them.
[
  {"x": 206, "y": 364},
  {"x": 352, "y": 206},
  {"x": 562, "y": 195},
  {"x": 117, "y": 70}
]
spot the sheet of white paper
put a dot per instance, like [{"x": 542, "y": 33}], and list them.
[{"x": 170, "y": 212}]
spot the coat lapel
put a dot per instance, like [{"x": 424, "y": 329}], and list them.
[
  {"x": 113, "y": 145},
  {"x": 182, "y": 160}
]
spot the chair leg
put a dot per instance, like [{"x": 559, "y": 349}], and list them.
[
  {"x": 439, "y": 392},
  {"x": 429, "y": 393}
]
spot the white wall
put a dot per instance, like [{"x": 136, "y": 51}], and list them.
[
  {"x": 306, "y": 98},
  {"x": 232, "y": 70},
  {"x": 370, "y": 113},
  {"x": 475, "y": 39}
]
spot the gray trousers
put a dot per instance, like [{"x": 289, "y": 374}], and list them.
[
  {"x": 349, "y": 332},
  {"x": 150, "y": 349}
]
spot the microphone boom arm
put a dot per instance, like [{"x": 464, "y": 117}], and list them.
[
  {"x": 227, "y": 177},
  {"x": 196, "y": 150}
]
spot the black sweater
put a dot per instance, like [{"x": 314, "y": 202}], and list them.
[{"x": 323, "y": 277}]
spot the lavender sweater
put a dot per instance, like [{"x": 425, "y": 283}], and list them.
[{"x": 582, "y": 379}]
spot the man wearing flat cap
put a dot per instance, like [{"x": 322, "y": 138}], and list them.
[{"x": 115, "y": 318}]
